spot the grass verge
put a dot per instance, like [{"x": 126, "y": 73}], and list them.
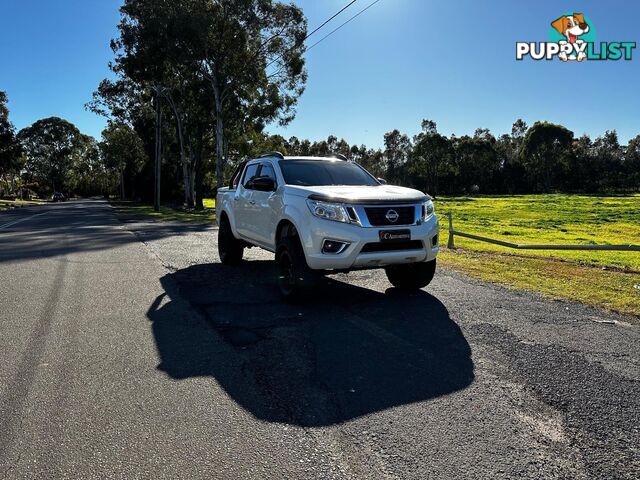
[
  {"x": 10, "y": 204},
  {"x": 610, "y": 289},
  {"x": 605, "y": 279},
  {"x": 167, "y": 213}
]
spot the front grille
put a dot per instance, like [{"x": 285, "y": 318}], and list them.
[
  {"x": 392, "y": 246},
  {"x": 378, "y": 215}
]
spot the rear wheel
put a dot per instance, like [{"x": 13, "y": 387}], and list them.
[
  {"x": 411, "y": 276},
  {"x": 295, "y": 278},
  {"x": 230, "y": 248}
]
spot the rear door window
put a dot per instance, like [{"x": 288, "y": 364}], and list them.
[{"x": 268, "y": 171}]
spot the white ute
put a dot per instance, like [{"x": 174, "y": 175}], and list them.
[{"x": 322, "y": 215}]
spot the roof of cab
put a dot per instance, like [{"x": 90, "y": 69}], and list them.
[{"x": 303, "y": 157}]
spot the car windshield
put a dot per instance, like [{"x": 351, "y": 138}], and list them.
[{"x": 316, "y": 173}]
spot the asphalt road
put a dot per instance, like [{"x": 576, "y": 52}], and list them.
[{"x": 128, "y": 351}]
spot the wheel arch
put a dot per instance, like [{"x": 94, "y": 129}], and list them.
[
  {"x": 285, "y": 228},
  {"x": 224, "y": 214}
]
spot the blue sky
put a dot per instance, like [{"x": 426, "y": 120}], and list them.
[{"x": 451, "y": 61}]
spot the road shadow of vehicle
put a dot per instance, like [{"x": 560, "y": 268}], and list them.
[{"x": 351, "y": 352}]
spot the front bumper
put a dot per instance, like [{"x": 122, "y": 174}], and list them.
[{"x": 357, "y": 237}]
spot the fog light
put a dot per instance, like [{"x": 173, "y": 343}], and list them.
[
  {"x": 333, "y": 246},
  {"x": 434, "y": 240}
]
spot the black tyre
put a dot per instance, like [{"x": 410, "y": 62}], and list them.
[
  {"x": 295, "y": 278},
  {"x": 411, "y": 276},
  {"x": 230, "y": 248}
]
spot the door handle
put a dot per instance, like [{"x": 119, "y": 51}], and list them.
[
  {"x": 236, "y": 198},
  {"x": 252, "y": 202}
]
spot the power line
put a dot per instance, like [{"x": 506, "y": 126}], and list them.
[
  {"x": 331, "y": 18},
  {"x": 317, "y": 28},
  {"x": 338, "y": 28}
]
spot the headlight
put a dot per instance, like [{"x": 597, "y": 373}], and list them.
[
  {"x": 427, "y": 209},
  {"x": 330, "y": 211}
]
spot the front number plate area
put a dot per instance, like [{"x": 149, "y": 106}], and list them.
[{"x": 394, "y": 235}]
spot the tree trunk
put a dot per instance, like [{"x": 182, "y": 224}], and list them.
[
  {"x": 158, "y": 153},
  {"x": 132, "y": 187},
  {"x": 220, "y": 160},
  {"x": 186, "y": 177},
  {"x": 192, "y": 178},
  {"x": 191, "y": 170},
  {"x": 186, "y": 180},
  {"x": 122, "y": 195},
  {"x": 185, "y": 169},
  {"x": 198, "y": 172}
]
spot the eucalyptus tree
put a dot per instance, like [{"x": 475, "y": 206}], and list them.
[
  {"x": 10, "y": 150},
  {"x": 508, "y": 147},
  {"x": 127, "y": 103},
  {"x": 122, "y": 151},
  {"x": 397, "y": 149},
  {"x": 544, "y": 154},
  {"x": 251, "y": 54},
  {"x": 49, "y": 145},
  {"x": 246, "y": 53},
  {"x": 4, "y": 110},
  {"x": 582, "y": 174},
  {"x": 87, "y": 174},
  {"x": 632, "y": 163},
  {"x": 430, "y": 159},
  {"x": 610, "y": 161},
  {"x": 140, "y": 61},
  {"x": 121, "y": 101}
]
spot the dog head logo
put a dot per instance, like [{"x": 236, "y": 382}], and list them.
[
  {"x": 571, "y": 27},
  {"x": 573, "y": 37}
]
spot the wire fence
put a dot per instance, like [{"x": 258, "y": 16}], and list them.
[{"x": 532, "y": 246}]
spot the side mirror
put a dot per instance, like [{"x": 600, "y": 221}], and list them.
[
  {"x": 263, "y": 184},
  {"x": 382, "y": 181}
]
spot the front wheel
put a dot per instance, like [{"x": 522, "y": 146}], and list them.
[
  {"x": 230, "y": 249},
  {"x": 411, "y": 276},
  {"x": 295, "y": 278}
]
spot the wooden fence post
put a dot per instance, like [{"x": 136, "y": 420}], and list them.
[{"x": 451, "y": 243}]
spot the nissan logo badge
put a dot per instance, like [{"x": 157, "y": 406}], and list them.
[{"x": 392, "y": 216}]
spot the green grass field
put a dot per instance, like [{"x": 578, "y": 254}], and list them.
[{"x": 607, "y": 279}]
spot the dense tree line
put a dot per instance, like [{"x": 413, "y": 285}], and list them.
[
  {"x": 538, "y": 159},
  {"x": 197, "y": 81},
  {"x": 52, "y": 154}
]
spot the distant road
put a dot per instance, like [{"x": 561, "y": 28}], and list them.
[{"x": 128, "y": 351}]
